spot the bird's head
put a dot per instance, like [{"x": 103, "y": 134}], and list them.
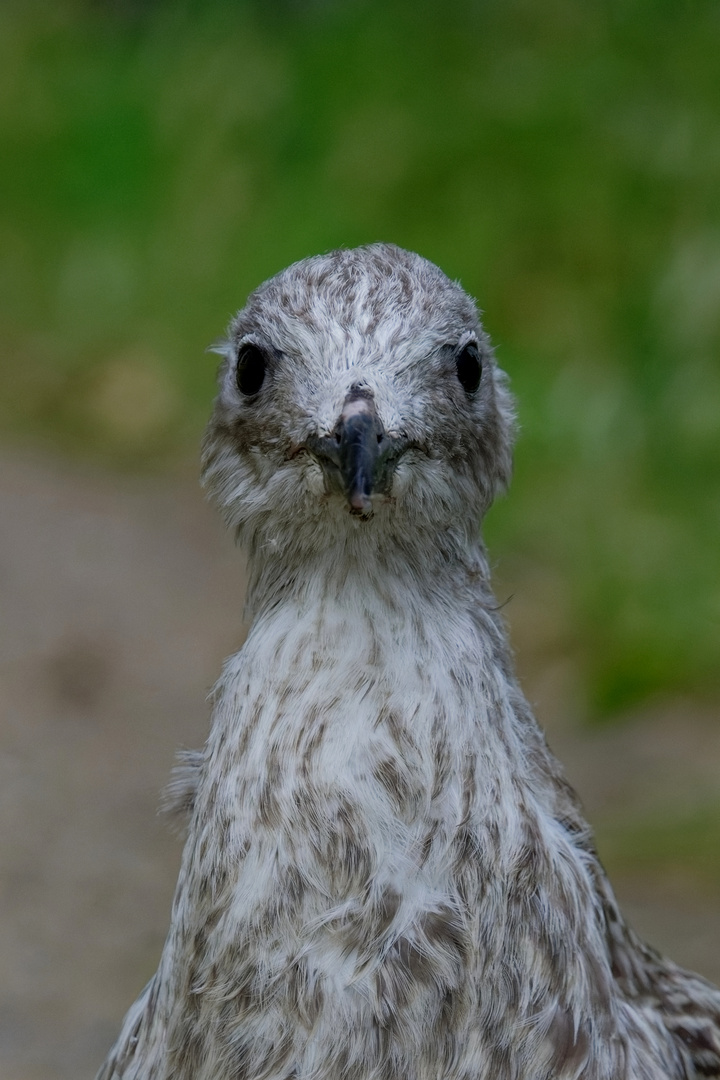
[{"x": 358, "y": 394}]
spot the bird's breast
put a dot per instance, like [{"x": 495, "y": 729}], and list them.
[
  {"x": 352, "y": 748},
  {"x": 358, "y": 852}
]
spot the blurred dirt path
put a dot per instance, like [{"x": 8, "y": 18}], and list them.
[{"x": 119, "y": 599}]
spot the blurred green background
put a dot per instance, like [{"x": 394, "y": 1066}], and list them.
[
  {"x": 157, "y": 161},
  {"x": 561, "y": 159}
]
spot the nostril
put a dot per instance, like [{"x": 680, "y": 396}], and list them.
[
  {"x": 379, "y": 438},
  {"x": 338, "y": 437}
]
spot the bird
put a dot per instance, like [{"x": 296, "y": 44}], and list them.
[{"x": 386, "y": 875}]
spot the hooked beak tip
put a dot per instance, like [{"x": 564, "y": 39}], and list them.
[{"x": 360, "y": 504}]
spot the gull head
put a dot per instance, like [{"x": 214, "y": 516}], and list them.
[{"x": 358, "y": 395}]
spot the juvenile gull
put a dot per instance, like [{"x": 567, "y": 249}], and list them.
[{"x": 386, "y": 875}]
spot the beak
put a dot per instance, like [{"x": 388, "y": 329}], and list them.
[
  {"x": 357, "y": 456},
  {"x": 359, "y": 435}
]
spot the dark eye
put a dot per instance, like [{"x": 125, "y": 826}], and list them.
[
  {"x": 469, "y": 367},
  {"x": 251, "y": 367}
]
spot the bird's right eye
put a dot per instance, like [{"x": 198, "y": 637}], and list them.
[
  {"x": 251, "y": 369},
  {"x": 469, "y": 368}
]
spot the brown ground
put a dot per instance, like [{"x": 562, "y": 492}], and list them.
[{"x": 119, "y": 600}]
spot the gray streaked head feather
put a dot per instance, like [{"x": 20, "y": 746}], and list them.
[{"x": 383, "y": 319}]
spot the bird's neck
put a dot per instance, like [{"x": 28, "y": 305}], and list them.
[
  {"x": 360, "y": 574},
  {"x": 389, "y": 606}
]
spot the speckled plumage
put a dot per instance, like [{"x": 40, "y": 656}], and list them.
[{"x": 386, "y": 875}]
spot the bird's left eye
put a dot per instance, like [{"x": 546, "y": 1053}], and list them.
[
  {"x": 469, "y": 367},
  {"x": 251, "y": 366}
]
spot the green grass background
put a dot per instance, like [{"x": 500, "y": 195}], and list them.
[{"x": 562, "y": 159}]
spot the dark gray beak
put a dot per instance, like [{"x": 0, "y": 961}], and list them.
[
  {"x": 359, "y": 435},
  {"x": 358, "y": 456}
]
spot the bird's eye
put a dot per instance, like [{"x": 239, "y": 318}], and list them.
[
  {"x": 251, "y": 367},
  {"x": 469, "y": 367}
]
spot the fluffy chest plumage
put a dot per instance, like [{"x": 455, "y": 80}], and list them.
[
  {"x": 365, "y": 850},
  {"x": 382, "y": 734}
]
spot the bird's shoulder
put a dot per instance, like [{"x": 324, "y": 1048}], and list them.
[{"x": 687, "y": 1004}]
